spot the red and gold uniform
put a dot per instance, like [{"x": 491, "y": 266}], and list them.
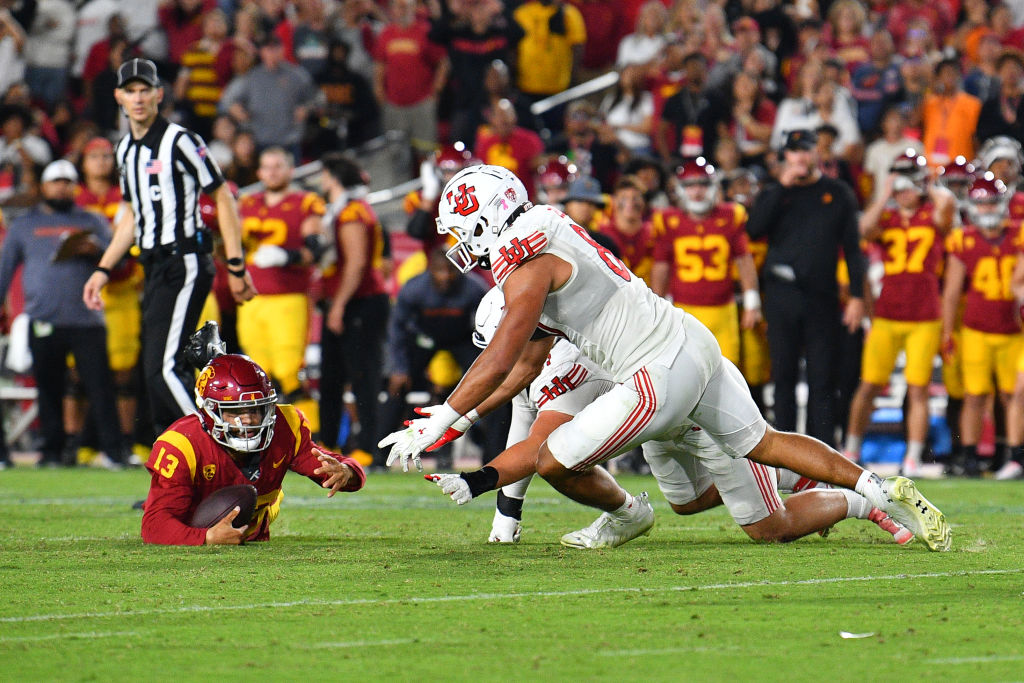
[
  {"x": 755, "y": 361},
  {"x": 700, "y": 253},
  {"x": 274, "y": 330},
  {"x": 187, "y": 465},
  {"x": 991, "y": 338},
  {"x": 908, "y": 312},
  {"x": 358, "y": 211},
  {"x": 952, "y": 360},
  {"x": 121, "y": 305},
  {"x": 1017, "y": 207},
  {"x": 636, "y": 250}
]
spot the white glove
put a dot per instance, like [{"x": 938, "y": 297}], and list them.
[
  {"x": 460, "y": 427},
  {"x": 270, "y": 256},
  {"x": 403, "y": 445},
  {"x": 452, "y": 485},
  {"x": 431, "y": 184}
]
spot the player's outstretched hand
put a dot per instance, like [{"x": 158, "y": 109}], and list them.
[
  {"x": 460, "y": 427},
  {"x": 452, "y": 485},
  {"x": 222, "y": 533},
  {"x": 339, "y": 474},
  {"x": 403, "y": 447}
]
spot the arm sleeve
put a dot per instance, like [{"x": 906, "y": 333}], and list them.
[
  {"x": 193, "y": 154},
  {"x": 171, "y": 494},
  {"x": 305, "y": 461},
  {"x": 765, "y": 211}
]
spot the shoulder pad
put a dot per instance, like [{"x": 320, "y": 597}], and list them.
[{"x": 516, "y": 245}]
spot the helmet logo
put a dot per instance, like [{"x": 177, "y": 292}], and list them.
[
  {"x": 204, "y": 378},
  {"x": 510, "y": 194},
  {"x": 464, "y": 203}
]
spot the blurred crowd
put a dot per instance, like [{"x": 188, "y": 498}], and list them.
[{"x": 909, "y": 111}]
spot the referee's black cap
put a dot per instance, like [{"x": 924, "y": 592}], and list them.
[{"x": 138, "y": 70}]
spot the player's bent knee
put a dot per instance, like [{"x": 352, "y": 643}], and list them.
[
  {"x": 549, "y": 468},
  {"x": 771, "y": 529},
  {"x": 705, "y": 501}
]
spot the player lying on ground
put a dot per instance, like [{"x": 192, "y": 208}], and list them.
[
  {"x": 568, "y": 382},
  {"x": 667, "y": 367},
  {"x": 240, "y": 436}
]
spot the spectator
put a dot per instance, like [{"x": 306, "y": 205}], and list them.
[
  {"x": 1003, "y": 112},
  {"x": 410, "y": 72},
  {"x": 582, "y": 142},
  {"x": 628, "y": 111},
  {"x": 813, "y": 103},
  {"x": 584, "y": 203},
  {"x": 198, "y": 87},
  {"x": 98, "y": 58},
  {"x": 12, "y": 48},
  {"x": 903, "y": 16},
  {"x": 950, "y": 116},
  {"x": 357, "y": 24},
  {"x": 433, "y": 314},
  {"x": 352, "y": 113},
  {"x": 747, "y": 118},
  {"x": 718, "y": 42},
  {"x": 605, "y": 23},
  {"x": 21, "y": 154},
  {"x": 222, "y": 135},
  {"x": 498, "y": 86},
  {"x": 807, "y": 220},
  {"x": 646, "y": 44},
  {"x": 355, "y": 307},
  {"x": 689, "y": 110},
  {"x": 882, "y": 152},
  {"x": 311, "y": 37},
  {"x": 90, "y": 28},
  {"x": 876, "y": 83},
  {"x": 58, "y": 244},
  {"x": 553, "y": 179},
  {"x": 244, "y": 159},
  {"x": 144, "y": 31},
  {"x": 833, "y": 166},
  {"x": 503, "y": 143},
  {"x": 48, "y": 50},
  {"x": 747, "y": 34},
  {"x": 970, "y": 29},
  {"x": 628, "y": 226},
  {"x": 100, "y": 105},
  {"x": 182, "y": 22},
  {"x": 273, "y": 99},
  {"x": 982, "y": 81},
  {"x": 651, "y": 174},
  {"x": 549, "y": 52},
  {"x": 474, "y": 36},
  {"x": 846, "y": 20}
]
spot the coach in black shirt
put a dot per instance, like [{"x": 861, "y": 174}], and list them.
[
  {"x": 163, "y": 169},
  {"x": 809, "y": 220}
]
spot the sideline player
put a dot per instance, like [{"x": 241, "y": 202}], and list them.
[
  {"x": 667, "y": 367},
  {"x": 239, "y": 437},
  {"x": 281, "y": 232},
  {"x": 568, "y": 382}
]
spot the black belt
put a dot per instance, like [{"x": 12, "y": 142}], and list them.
[{"x": 201, "y": 243}]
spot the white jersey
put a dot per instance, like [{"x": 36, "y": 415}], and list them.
[{"x": 604, "y": 309}]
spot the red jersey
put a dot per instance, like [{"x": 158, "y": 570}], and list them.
[
  {"x": 636, "y": 250},
  {"x": 409, "y": 60},
  {"x": 913, "y": 252},
  {"x": 989, "y": 305},
  {"x": 1017, "y": 207},
  {"x": 700, "y": 252},
  {"x": 187, "y": 465},
  {"x": 358, "y": 211},
  {"x": 107, "y": 205},
  {"x": 517, "y": 152},
  {"x": 279, "y": 225}
]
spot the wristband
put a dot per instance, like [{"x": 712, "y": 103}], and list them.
[
  {"x": 236, "y": 261},
  {"x": 751, "y": 300},
  {"x": 481, "y": 481},
  {"x": 447, "y": 414},
  {"x": 105, "y": 271},
  {"x": 472, "y": 416},
  {"x": 237, "y": 273}
]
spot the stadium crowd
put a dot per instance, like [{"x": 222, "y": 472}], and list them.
[{"x": 734, "y": 127}]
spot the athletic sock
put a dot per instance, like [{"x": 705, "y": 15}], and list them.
[
  {"x": 853, "y": 444},
  {"x": 915, "y": 449},
  {"x": 1018, "y": 454},
  {"x": 857, "y": 506},
  {"x": 870, "y": 486},
  {"x": 510, "y": 507},
  {"x": 791, "y": 482},
  {"x": 624, "y": 512},
  {"x": 517, "y": 489}
]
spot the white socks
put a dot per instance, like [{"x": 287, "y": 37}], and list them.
[
  {"x": 870, "y": 486},
  {"x": 624, "y": 512},
  {"x": 853, "y": 444},
  {"x": 857, "y": 506},
  {"x": 914, "y": 451}
]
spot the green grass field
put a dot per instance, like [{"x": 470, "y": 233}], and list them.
[{"x": 395, "y": 582}]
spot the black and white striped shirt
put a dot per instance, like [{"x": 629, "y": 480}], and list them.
[{"x": 162, "y": 175}]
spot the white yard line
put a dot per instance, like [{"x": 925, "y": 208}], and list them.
[
  {"x": 977, "y": 660},
  {"x": 186, "y": 609},
  {"x": 363, "y": 643},
  {"x": 68, "y": 636}
]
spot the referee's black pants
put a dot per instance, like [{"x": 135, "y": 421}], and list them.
[
  {"x": 172, "y": 299},
  {"x": 355, "y": 357},
  {"x": 50, "y": 346},
  {"x": 807, "y": 323}
]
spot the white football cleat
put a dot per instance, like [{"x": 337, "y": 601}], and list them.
[
  {"x": 1011, "y": 470},
  {"x": 608, "y": 532},
  {"x": 907, "y": 506},
  {"x": 504, "y": 529}
]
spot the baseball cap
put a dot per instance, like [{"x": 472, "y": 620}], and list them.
[
  {"x": 97, "y": 143},
  {"x": 62, "y": 169},
  {"x": 137, "y": 70},
  {"x": 585, "y": 189},
  {"x": 800, "y": 138}
]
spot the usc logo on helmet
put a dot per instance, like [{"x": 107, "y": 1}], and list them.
[
  {"x": 464, "y": 203},
  {"x": 204, "y": 378}
]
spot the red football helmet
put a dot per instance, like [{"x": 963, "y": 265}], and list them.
[
  {"x": 553, "y": 178},
  {"x": 450, "y": 159},
  {"x": 911, "y": 171},
  {"x": 235, "y": 384},
  {"x": 987, "y": 202},
  {"x": 697, "y": 172},
  {"x": 208, "y": 207},
  {"x": 957, "y": 176}
]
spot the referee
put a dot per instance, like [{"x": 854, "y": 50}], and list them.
[{"x": 163, "y": 168}]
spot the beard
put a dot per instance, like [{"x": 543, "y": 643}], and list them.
[{"x": 60, "y": 205}]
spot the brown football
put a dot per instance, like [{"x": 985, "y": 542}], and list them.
[{"x": 215, "y": 506}]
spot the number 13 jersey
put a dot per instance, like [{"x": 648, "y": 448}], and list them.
[{"x": 603, "y": 308}]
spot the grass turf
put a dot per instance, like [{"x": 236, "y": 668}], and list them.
[{"x": 395, "y": 582}]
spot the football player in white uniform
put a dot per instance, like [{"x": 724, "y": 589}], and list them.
[
  {"x": 667, "y": 366},
  {"x": 568, "y": 382}
]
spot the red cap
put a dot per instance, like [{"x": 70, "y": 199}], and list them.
[{"x": 98, "y": 143}]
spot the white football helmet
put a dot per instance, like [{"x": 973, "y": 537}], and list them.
[
  {"x": 476, "y": 205},
  {"x": 488, "y": 314}
]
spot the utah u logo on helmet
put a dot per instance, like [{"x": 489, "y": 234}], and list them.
[{"x": 464, "y": 203}]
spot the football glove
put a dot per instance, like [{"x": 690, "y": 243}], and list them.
[
  {"x": 452, "y": 485},
  {"x": 270, "y": 256},
  {"x": 419, "y": 436},
  {"x": 401, "y": 443},
  {"x": 460, "y": 427}
]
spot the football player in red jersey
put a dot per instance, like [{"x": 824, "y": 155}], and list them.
[
  {"x": 628, "y": 227},
  {"x": 695, "y": 250},
  {"x": 907, "y": 312},
  {"x": 982, "y": 264},
  {"x": 240, "y": 436},
  {"x": 421, "y": 205},
  {"x": 553, "y": 179},
  {"x": 281, "y": 232},
  {"x": 1002, "y": 156}
]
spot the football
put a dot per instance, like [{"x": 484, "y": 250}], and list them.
[{"x": 215, "y": 506}]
